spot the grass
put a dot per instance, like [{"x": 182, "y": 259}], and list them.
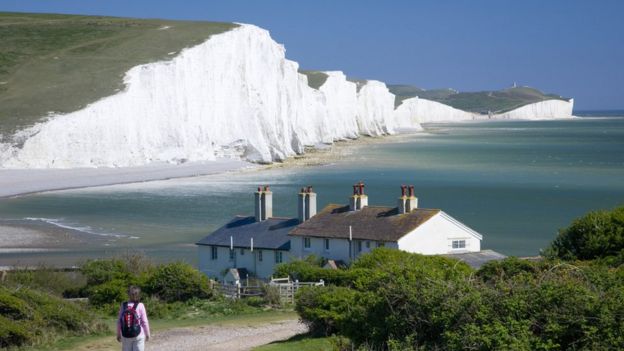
[
  {"x": 480, "y": 102},
  {"x": 108, "y": 342},
  {"x": 300, "y": 343},
  {"x": 61, "y": 63},
  {"x": 316, "y": 79}
]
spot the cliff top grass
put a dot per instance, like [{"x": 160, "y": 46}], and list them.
[
  {"x": 315, "y": 78},
  {"x": 480, "y": 101},
  {"x": 61, "y": 63}
]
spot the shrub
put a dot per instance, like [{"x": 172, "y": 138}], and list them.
[
  {"x": 598, "y": 234},
  {"x": 507, "y": 268},
  {"x": 102, "y": 271},
  {"x": 178, "y": 282},
  {"x": 111, "y": 292},
  {"x": 13, "y": 333},
  {"x": 324, "y": 309}
]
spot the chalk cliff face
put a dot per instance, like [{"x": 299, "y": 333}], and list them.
[
  {"x": 548, "y": 109},
  {"x": 416, "y": 110},
  {"x": 235, "y": 95}
]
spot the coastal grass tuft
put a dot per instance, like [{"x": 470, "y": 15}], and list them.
[
  {"x": 316, "y": 79},
  {"x": 85, "y": 55}
]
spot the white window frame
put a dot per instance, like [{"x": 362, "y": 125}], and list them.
[
  {"x": 456, "y": 244},
  {"x": 278, "y": 257},
  {"x": 307, "y": 243}
]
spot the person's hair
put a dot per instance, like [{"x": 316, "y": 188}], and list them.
[{"x": 134, "y": 293}]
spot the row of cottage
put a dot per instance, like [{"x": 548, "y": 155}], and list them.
[{"x": 338, "y": 232}]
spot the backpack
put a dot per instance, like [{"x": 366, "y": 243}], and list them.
[{"x": 130, "y": 322}]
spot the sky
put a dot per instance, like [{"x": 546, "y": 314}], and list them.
[{"x": 574, "y": 48}]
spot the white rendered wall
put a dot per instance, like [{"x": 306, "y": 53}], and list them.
[
  {"x": 435, "y": 237},
  {"x": 338, "y": 248},
  {"x": 249, "y": 260}
]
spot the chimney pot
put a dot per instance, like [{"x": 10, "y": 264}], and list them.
[
  {"x": 266, "y": 188},
  {"x": 411, "y": 191},
  {"x": 361, "y": 185},
  {"x": 403, "y": 187},
  {"x": 355, "y": 189}
]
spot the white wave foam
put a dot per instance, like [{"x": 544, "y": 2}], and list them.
[{"x": 61, "y": 223}]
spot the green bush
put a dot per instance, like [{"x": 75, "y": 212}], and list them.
[
  {"x": 598, "y": 234},
  {"x": 324, "y": 309},
  {"x": 13, "y": 333},
  {"x": 413, "y": 302},
  {"x": 103, "y": 271},
  {"x": 111, "y": 292},
  {"x": 46, "y": 279},
  {"x": 178, "y": 282},
  {"x": 31, "y": 317}
]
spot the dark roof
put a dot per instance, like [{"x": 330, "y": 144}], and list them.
[
  {"x": 477, "y": 259},
  {"x": 269, "y": 234},
  {"x": 370, "y": 223}
]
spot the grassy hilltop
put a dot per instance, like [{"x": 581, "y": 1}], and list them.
[
  {"x": 480, "y": 101},
  {"x": 61, "y": 63}
]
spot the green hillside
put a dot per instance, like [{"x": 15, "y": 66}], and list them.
[
  {"x": 61, "y": 63},
  {"x": 480, "y": 102}
]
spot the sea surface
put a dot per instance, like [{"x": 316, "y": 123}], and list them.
[{"x": 515, "y": 182}]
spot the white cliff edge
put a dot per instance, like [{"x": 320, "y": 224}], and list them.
[{"x": 235, "y": 95}]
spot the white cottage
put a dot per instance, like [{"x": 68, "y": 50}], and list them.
[
  {"x": 339, "y": 232},
  {"x": 343, "y": 232}
]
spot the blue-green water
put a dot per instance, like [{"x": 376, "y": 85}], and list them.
[{"x": 517, "y": 183}]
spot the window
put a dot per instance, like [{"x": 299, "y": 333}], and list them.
[
  {"x": 326, "y": 244},
  {"x": 459, "y": 244},
  {"x": 242, "y": 251},
  {"x": 306, "y": 243},
  {"x": 260, "y": 255},
  {"x": 232, "y": 254},
  {"x": 359, "y": 246},
  {"x": 380, "y": 244},
  {"x": 368, "y": 244},
  {"x": 278, "y": 257},
  {"x": 214, "y": 252}
]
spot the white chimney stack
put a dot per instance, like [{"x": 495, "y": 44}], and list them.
[
  {"x": 412, "y": 201},
  {"x": 358, "y": 200},
  {"x": 402, "y": 201},
  {"x": 306, "y": 204},
  {"x": 263, "y": 203}
]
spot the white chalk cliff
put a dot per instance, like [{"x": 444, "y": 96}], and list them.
[{"x": 235, "y": 95}]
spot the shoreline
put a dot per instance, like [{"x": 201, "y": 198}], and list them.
[{"x": 22, "y": 182}]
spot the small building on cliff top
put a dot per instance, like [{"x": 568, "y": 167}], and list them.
[{"x": 338, "y": 232}]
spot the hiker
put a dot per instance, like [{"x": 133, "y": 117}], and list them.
[{"x": 132, "y": 325}]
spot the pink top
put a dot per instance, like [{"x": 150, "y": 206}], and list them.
[{"x": 142, "y": 319}]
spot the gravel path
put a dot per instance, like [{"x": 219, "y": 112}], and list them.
[{"x": 230, "y": 338}]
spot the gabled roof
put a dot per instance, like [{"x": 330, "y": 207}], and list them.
[
  {"x": 268, "y": 234},
  {"x": 370, "y": 223}
]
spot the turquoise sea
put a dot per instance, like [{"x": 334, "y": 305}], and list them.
[{"x": 516, "y": 182}]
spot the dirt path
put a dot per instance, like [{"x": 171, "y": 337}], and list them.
[{"x": 230, "y": 338}]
